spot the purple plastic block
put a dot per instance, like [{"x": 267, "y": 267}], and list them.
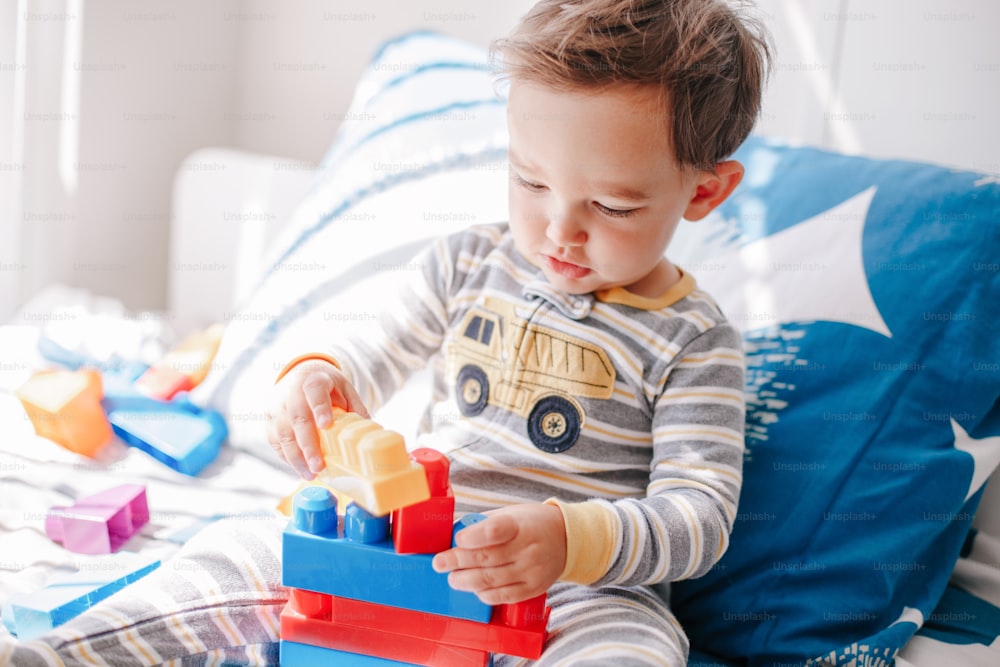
[{"x": 101, "y": 523}]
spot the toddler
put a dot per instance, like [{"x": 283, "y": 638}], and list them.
[{"x": 588, "y": 394}]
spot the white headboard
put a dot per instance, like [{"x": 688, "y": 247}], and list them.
[{"x": 227, "y": 206}]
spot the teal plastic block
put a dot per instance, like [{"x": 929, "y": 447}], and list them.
[
  {"x": 358, "y": 561},
  {"x": 63, "y": 598}
]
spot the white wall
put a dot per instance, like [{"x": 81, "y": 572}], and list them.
[
  {"x": 917, "y": 79},
  {"x": 299, "y": 62},
  {"x": 902, "y": 78},
  {"x": 11, "y": 158},
  {"x": 150, "y": 82},
  {"x": 117, "y": 93}
]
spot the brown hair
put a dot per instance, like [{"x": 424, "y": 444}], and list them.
[{"x": 709, "y": 59}]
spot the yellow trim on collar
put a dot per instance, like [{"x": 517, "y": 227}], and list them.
[{"x": 679, "y": 290}]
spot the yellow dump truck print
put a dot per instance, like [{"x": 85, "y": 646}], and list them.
[{"x": 537, "y": 372}]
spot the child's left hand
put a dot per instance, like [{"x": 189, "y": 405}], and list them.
[{"x": 516, "y": 554}]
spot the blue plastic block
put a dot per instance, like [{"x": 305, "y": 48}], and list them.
[
  {"x": 177, "y": 433},
  {"x": 59, "y": 354},
  {"x": 7, "y": 614},
  {"x": 337, "y": 561},
  {"x": 63, "y": 598},
  {"x": 294, "y": 654},
  {"x": 365, "y": 527},
  {"x": 314, "y": 509},
  {"x": 112, "y": 366}
]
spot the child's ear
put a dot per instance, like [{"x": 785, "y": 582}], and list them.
[{"x": 712, "y": 188}]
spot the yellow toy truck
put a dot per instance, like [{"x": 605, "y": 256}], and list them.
[{"x": 503, "y": 360}]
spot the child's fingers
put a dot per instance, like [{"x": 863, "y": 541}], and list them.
[
  {"x": 317, "y": 388},
  {"x": 273, "y": 438},
  {"x": 282, "y": 438},
  {"x": 306, "y": 437},
  {"x": 506, "y": 594},
  {"x": 483, "y": 580},
  {"x": 474, "y": 553},
  {"x": 352, "y": 399},
  {"x": 505, "y": 584},
  {"x": 496, "y": 530}
]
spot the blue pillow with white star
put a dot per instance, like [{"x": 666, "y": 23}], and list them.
[{"x": 867, "y": 292}]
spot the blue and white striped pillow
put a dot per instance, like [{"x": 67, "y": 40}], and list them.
[{"x": 421, "y": 152}]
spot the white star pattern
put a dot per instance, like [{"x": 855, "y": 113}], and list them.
[
  {"x": 985, "y": 453},
  {"x": 813, "y": 271}
]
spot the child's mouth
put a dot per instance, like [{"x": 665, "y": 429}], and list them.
[{"x": 566, "y": 269}]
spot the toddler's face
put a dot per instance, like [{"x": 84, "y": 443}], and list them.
[{"x": 595, "y": 194}]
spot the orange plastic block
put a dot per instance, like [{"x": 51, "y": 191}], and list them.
[
  {"x": 65, "y": 407},
  {"x": 194, "y": 356},
  {"x": 370, "y": 464}
]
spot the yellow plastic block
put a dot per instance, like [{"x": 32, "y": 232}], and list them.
[
  {"x": 370, "y": 464},
  {"x": 65, "y": 407},
  {"x": 193, "y": 357}
]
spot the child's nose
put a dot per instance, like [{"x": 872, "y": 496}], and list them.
[{"x": 565, "y": 232}]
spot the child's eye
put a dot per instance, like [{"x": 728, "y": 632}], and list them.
[
  {"x": 528, "y": 185},
  {"x": 615, "y": 212}
]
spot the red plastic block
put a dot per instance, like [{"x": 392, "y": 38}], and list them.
[
  {"x": 381, "y": 644},
  {"x": 311, "y": 604},
  {"x": 101, "y": 523},
  {"x": 163, "y": 382},
  {"x": 65, "y": 407},
  {"x": 184, "y": 366},
  {"x": 531, "y": 615},
  {"x": 518, "y": 629},
  {"x": 426, "y": 527}
]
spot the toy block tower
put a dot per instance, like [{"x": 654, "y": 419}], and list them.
[{"x": 363, "y": 589}]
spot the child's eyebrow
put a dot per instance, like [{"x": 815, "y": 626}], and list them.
[
  {"x": 619, "y": 191},
  {"x": 515, "y": 160},
  {"x": 615, "y": 190}
]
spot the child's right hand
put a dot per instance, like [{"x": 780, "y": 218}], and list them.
[{"x": 302, "y": 403}]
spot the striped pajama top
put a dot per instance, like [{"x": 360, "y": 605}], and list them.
[{"x": 626, "y": 411}]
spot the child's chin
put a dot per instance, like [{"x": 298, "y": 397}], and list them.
[{"x": 572, "y": 286}]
